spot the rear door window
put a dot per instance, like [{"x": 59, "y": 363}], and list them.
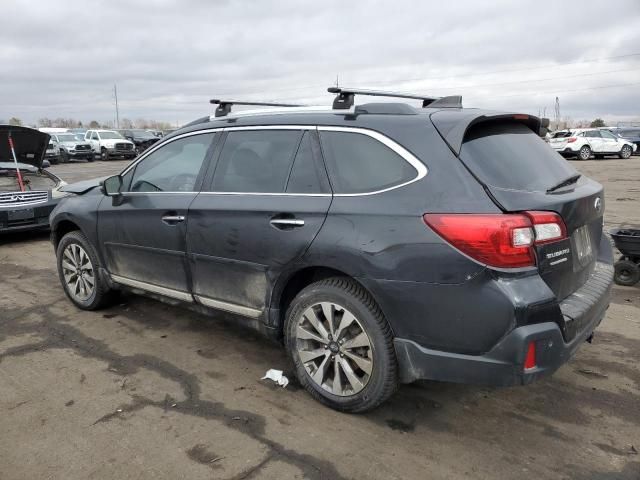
[
  {"x": 510, "y": 156},
  {"x": 358, "y": 163},
  {"x": 256, "y": 161}
]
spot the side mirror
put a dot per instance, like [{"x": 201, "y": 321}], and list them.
[
  {"x": 46, "y": 164},
  {"x": 111, "y": 186}
]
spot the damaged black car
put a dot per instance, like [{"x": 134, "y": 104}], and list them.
[{"x": 28, "y": 192}]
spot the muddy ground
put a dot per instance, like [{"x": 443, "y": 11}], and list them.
[{"x": 144, "y": 390}]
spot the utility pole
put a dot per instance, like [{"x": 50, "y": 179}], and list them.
[
  {"x": 115, "y": 94},
  {"x": 557, "y": 113}
]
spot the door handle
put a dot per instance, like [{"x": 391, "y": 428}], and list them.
[
  {"x": 286, "y": 222},
  {"x": 172, "y": 219}
]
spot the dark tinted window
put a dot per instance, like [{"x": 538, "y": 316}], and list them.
[
  {"x": 306, "y": 176},
  {"x": 359, "y": 163},
  {"x": 629, "y": 133},
  {"x": 256, "y": 161},
  {"x": 511, "y": 156},
  {"x": 174, "y": 167}
]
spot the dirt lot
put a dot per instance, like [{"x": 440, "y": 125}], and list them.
[{"x": 146, "y": 390}]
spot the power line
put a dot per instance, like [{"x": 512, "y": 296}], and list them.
[
  {"x": 562, "y": 91},
  {"x": 590, "y": 74},
  {"x": 415, "y": 79},
  {"x": 594, "y": 60}
]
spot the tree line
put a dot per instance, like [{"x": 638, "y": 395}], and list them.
[{"x": 125, "y": 123}]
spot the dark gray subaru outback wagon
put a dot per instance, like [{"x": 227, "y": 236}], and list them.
[{"x": 382, "y": 243}]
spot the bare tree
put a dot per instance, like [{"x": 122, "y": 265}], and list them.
[
  {"x": 15, "y": 121},
  {"x": 45, "y": 122},
  {"x": 126, "y": 123},
  {"x": 94, "y": 124}
]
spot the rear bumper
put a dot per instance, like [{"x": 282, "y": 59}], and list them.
[{"x": 504, "y": 364}]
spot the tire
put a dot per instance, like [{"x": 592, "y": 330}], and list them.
[
  {"x": 64, "y": 157},
  {"x": 73, "y": 250},
  {"x": 91, "y": 158},
  {"x": 625, "y": 152},
  {"x": 356, "y": 390},
  {"x": 104, "y": 154},
  {"x": 627, "y": 273},
  {"x": 584, "y": 153}
]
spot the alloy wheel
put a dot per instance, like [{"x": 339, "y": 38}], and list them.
[
  {"x": 78, "y": 272},
  {"x": 585, "y": 153},
  {"x": 626, "y": 151},
  {"x": 334, "y": 348}
]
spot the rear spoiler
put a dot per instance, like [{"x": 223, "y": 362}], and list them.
[{"x": 452, "y": 125}]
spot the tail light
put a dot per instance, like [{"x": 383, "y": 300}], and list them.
[
  {"x": 530, "y": 359},
  {"x": 571, "y": 139},
  {"x": 498, "y": 240}
]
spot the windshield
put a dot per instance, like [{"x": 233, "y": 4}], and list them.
[
  {"x": 143, "y": 134},
  {"x": 66, "y": 137},
  {"x": 110, "y": 136},
  {"x": 510, "y": 156}
]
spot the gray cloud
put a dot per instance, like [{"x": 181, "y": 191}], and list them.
[{"x": 60, "y": 59}]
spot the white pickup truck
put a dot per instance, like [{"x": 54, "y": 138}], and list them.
[{"x": 110, "y": 144}]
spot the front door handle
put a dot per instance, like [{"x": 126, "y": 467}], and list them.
[
  {"x": 284, "y": 223},
  {"x": 172, "y": 219}
]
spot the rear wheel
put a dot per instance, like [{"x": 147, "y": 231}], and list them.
[
  {"x": 625, "y": 152},
  {"x": 627, "y": 273},
  {"x": 78, "y": 270},
  {"x": 584, "y": 153},
  {"x": 341, "y": 345}
]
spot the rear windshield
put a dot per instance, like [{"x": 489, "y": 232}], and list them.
[
  {"x": 561, "y": 134},
  {"x": 510, "y": 156}
]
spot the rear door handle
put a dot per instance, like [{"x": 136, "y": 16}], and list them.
[
  {"x": 172, "y": 219},
  {"x": 286, "y": 222}
]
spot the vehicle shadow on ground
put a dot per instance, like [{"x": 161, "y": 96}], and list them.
[{"x": 23, "y": 237}]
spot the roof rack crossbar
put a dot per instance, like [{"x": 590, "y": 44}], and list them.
[
  {"x": 224, "y": 106},
  {"x": 345, "y": 96}
]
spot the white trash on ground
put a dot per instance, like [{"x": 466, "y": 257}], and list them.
[{"x": 277, "y": 376}]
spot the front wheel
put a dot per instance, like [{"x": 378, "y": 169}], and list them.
[
  {"x": 104, "y": 154},
  {"x": 341, "y": 345},
  {"x": 626, "y": 152},
  {"x": 584, "y": 153},
  {"x": 78, "y": 270}
]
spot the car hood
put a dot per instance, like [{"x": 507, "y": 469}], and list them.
[
  {"x": 74, "y": 143},
  {"x": 30, "y": 145},
  {"x": 82, "y": 187}
]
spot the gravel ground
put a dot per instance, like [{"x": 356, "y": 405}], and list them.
[{"x": 147, "y": 390}]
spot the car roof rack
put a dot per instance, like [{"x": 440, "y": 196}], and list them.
[
  {"x": 345, "y": 98},
  {"x": 224, "y": 106}
]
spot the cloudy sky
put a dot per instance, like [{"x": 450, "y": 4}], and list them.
[{"x": 168, "y": 58}]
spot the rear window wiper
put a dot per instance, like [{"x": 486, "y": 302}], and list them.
[{"x": 564, "y": 183}]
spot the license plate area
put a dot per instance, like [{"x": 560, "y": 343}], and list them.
[
  {"x": 582, "y": 245},
  {"x": 22, "y": 214}
]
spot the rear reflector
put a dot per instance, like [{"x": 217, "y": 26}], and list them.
[
  {"x": 530, "y": 360},
  {"x": 548, "y": 226},
  {"x": 498, "y": 240}
]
